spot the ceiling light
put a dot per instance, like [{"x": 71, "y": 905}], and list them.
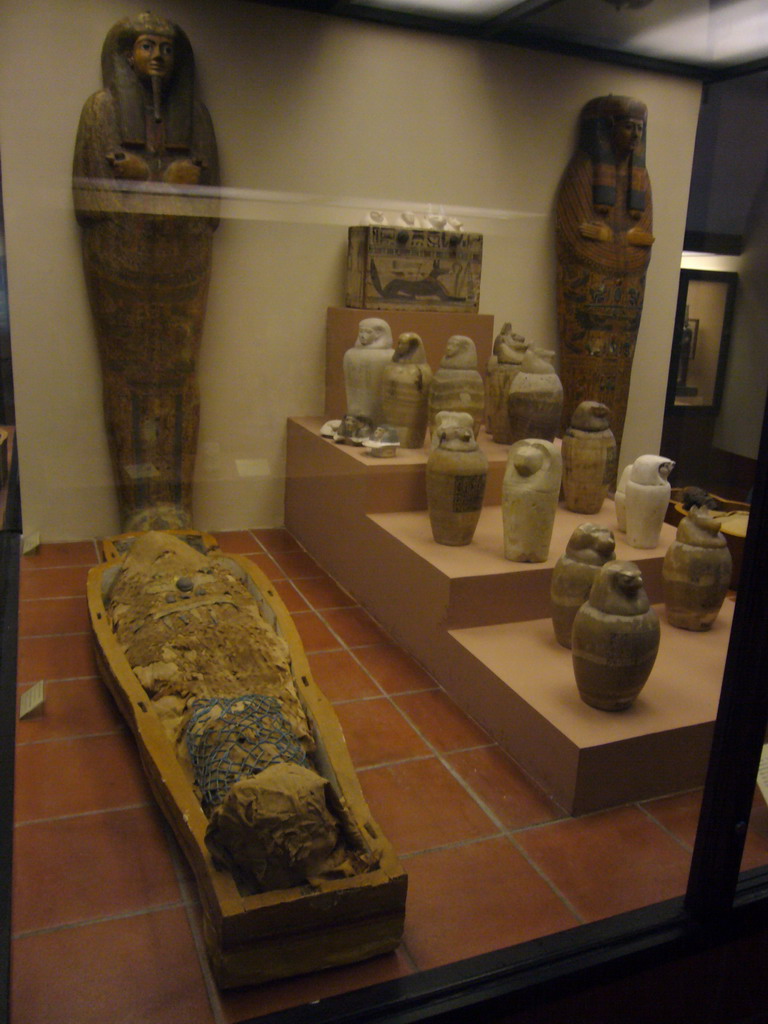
[{"x": 464, "y": 10}]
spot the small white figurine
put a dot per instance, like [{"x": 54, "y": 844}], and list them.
[
  {"x": 383, "y": 442},
  {"x": 409, "y": 219},
  {"x": 436, "y": 218},
  {"x": 647, "y": 499},
  {"x": 353, "y": 430},
  {"x": 330, "y": 429}
]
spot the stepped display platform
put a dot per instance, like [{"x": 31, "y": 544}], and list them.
[{"x": 480, "y": 624}]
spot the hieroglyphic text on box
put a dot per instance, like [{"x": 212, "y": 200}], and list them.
[{"x": 401, "y": 268}]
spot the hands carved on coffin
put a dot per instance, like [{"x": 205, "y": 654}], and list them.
[{"x": 602, "y": 233}]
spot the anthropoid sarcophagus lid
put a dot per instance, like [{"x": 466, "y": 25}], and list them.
[{"x": 406, "y": 268}]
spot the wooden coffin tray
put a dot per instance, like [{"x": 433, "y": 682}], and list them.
[{"x": 255, "y": 938}]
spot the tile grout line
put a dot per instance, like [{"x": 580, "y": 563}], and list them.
[
  {"x": 102, "y": 919},
  {"x": 351, "y": 652},
  {"x": 547, "y": 880},
  {"x": 120, "y": 730},
  {"x": 59, "y": 679},
  {"x": 52, "y": 682},
  {"x": 456, "y": 844},
  {"x": 390, "y": 764},
  {"x": 53, "y": 636},
  {"x": 652, "y": 817},
  {"x": 81, "y": 814},
  {"x": 377, "y": 696},
  {"x": 56, "y": 568}
]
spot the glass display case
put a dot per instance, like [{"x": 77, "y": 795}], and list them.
[{"x": 496, "y": 805}]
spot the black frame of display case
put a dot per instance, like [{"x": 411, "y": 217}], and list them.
[{"x": 720, "y": 906}]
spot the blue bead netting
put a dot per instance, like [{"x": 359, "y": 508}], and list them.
[{"x": 232, "y": 738}]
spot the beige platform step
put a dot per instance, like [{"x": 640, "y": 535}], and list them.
[
  {"x": 363, "y": 521},
  {"x": 589, "y": 759}
]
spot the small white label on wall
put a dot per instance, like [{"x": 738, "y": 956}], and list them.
[
  {"x": 30, "y": 542},
  {"x": 31, "y": 699},
  {"x": 762, "y": 773}
]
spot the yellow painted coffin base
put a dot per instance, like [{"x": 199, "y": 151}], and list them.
[{"x": 255, "y": 938}]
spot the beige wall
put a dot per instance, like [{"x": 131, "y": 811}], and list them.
[
  {"x": 337, "y": 118},
  {"x": 740, "y": 421}
]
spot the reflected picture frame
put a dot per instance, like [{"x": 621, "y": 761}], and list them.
[{"x": 701, "y": 339}]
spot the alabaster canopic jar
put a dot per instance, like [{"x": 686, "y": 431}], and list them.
[
  {"x": 647, "y": 499},
  {"x": 590, "y": 547},
  {"x": 615, "y": 638},
  {"x": 503, "y": 366},
  {"x": 364, "y": 365},
  {"x": 530, "y": 493},
  {"x": 457, "y": 386},
  {"x": 696, "y": 572},
  {"x": 405, "y": 383},
  {"x": 456, "y": 474},
  {"x": 589, "y": 458},
  {"x": 535, "y": 398}
]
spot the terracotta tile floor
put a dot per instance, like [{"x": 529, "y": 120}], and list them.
[{"x": 106, "y": 922}]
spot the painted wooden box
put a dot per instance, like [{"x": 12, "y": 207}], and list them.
[
  {"x": 254, "y": 937},
  {"x": 404, "y": 268}
]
